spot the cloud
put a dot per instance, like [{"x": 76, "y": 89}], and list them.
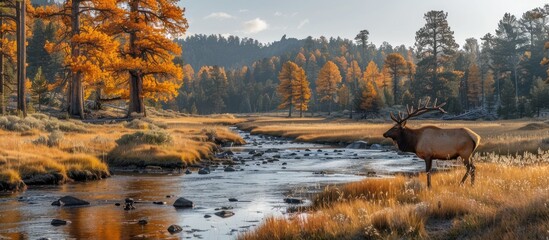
[
  {"x": 226, "y": 35},
  {"x": 255, "y": 26},
  {"x": 243, "y": 10},
  {"x": 219, "y": 15},
  {"x": 303, "y": 23},
  {"x": 278, "y": 14}
]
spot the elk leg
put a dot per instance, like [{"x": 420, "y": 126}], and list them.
[
  {"x": 428, "y": 165},
  {"x": 468, "y": 165},
  {"x": 473, "y": 170}
]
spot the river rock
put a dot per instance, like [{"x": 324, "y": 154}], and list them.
[
  {"x": 229, "y": 169},
  {"x": 174, "y": 229},
  {"x": 183, "y": 203},
  {"x": 159, "y": 203},
  {"x": 358, "y": 145},
  {"x": 58, "y": 222},
  {"x": 143, "y": 222},
  {"x": 224, "y": 214},
  {"x": 207, "y": 216},
  {"x": 233, "y": 200},
  {"x": 259, "y": 154},
  {"x": 188, "y": 171},
  {"x": 69, "y": 201},
  {"x": 203, "y": 171},
  {"x": 293, "y": 200},
  {"x": 376, "y": 146}
]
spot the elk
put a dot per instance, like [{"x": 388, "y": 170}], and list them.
[{"x": 431, "y": 142}]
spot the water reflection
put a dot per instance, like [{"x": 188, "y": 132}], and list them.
[{"x": 260, "y": 189}]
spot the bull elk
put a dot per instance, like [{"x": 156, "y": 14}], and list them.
[{"x": 431, "y": 142}]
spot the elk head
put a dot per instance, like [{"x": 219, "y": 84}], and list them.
[{"x": 397, "y": 130}]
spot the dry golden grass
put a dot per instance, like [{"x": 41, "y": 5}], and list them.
[
  {"x": 502, "y": 137},
  {"x": 507, "y": 202},
  {"x": 83, "y": 151}
]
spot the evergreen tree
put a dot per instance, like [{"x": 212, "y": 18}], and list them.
[
  {"x": 474, "y": 86},
  {"x": 508, "y": 107},
  {"x": 540, "y": 96},
  {"x": 436, "y": 49},
  {"x": 396, "y": 65},
  {"x": 39, "y": 88}
]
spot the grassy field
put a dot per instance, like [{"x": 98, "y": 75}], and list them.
[
  {"x": 44, "y": 150},
  {"x": 500, "y": 136},
  {"x": 508, "y": 201}
]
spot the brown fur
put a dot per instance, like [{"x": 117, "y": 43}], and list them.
[{"x": 431, "y": 142}]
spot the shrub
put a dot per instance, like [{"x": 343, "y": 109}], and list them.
[
  {"x": 40, "y": 122},
  {"x": 53, "y": 139},
  {"x": 148, "y": 137},
  {"x": 83, "y": 167}
]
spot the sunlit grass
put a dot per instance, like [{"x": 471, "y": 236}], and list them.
[
  {"x": 81, "y": 151},
  {"x": 507, "y": 202}
]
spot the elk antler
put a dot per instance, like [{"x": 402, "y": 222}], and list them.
[{"x": 423, "y": 107}]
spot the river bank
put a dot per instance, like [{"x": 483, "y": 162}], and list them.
[
  {"x": 44, "y": 150},
  {"x": 267, "y": 170}
]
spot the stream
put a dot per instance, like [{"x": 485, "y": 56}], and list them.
[{"x": 260, "y": 184}]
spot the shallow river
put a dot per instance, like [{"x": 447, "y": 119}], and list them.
[{"x": 259, "y": 188}]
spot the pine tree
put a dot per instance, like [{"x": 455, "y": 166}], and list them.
[
  {"x": 343, "y": 96},
  {"x": 327, "y": 83},
  {"x": 474, "y": 86},
  {"x": 288, "y": 74},
  {"x": 301, "y": 91},
  {"x": 489, "y": 90},
  {"x": 396, "y": 65},
  {"x": 508, "y": 108},
  {"x": 300, "y": 60},
  {"x": 352, "y": 76},
  {"x": 540, "y": 96},
  {"x": 148, "y": 51},
  {"x": 88, "y": 49},
  {"x": 39, "y": 88},
  {"x": 436, "y": 48}
]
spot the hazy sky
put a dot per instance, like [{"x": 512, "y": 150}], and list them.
[{"x": 394, "y": 21}]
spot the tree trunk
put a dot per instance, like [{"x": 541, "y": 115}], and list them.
[
  {"x": 3, "y": 108},
  {"x": 136, "y": 95},
  {"x": 136, "y": 79},
  {"x": 21, "y": 58},
  {"x": 76, "y": 92},
  {"x": 351, "y": 102},
  {"x": 395, "y": 87},
  {"x": 290, "y": 112}
]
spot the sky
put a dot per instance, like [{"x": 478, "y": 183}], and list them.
[{"x": 393, "y": 21}]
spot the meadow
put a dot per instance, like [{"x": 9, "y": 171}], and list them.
[
  {"x": 42, "y": 149},
  {"x": 508, "y": 200},
  {"x": 502, "y": 137}
]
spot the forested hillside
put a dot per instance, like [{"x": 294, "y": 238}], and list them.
[{"x": 502, "y": 73}]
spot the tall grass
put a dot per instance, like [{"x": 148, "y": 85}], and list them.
[
  {"x": 44, "y": 150},
  {"x": 508, "y": 201}
]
